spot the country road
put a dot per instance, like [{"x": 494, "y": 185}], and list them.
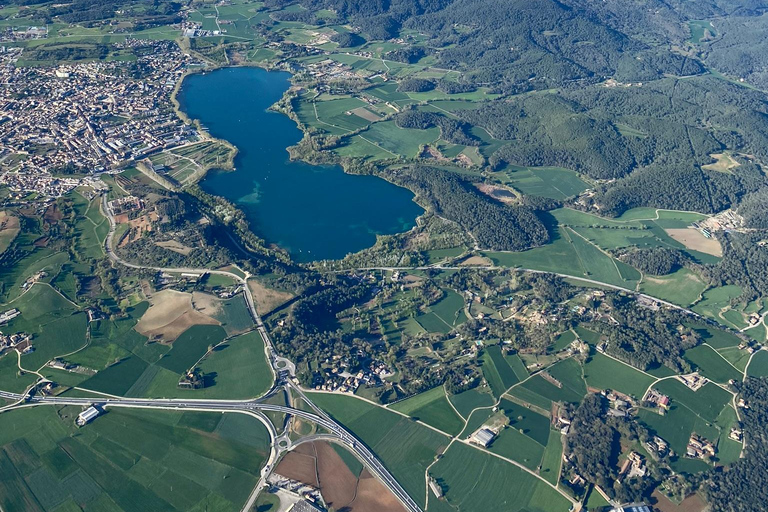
[
  {"x": 281, "y": 367},
  {"x": 277, "y": 364}
]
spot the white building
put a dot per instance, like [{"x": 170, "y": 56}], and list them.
[
  {"x": 87, "y": 416},
  {"x": 482, "y": 437}
]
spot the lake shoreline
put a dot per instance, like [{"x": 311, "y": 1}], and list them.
[{"x": 341, "y": 216}]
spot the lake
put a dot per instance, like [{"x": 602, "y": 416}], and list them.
[{"x": 314, "y": 212}]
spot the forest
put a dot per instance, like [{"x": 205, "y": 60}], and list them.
[
  {"x": 743, "y": 487},
  {"x": 493, "y": 224}
]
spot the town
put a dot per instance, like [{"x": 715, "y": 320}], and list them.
[{"x": 85, "y": 118}]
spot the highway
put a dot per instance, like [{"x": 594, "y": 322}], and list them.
[
  {"x": 277, "y": 364},
  {"x": 337, "y": 431}
]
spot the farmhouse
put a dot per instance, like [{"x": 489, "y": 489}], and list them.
[
  {"x": 694, "y": 381},
  {"x": 482, "y": 437},
  {"x": 87, "y": 416},
  {"x": 303, "y": 506},
  {"x": 657, "y": 446},
  {"x": 436, "y": 489},
  {"x": 658, "y": 399},
  {"x": 634, "y": 507},
  {"x": 699, "y": 448},
  {"x": 9, "y": 315}
]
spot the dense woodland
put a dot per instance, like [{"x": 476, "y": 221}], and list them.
[
  {"x": 646, "y": 338},
  {"x": 494, "y": 225},
  {"x": 649, "y": 135},
  {"x": 743, "y": 487},
  {"x": 452, "y": 130}
]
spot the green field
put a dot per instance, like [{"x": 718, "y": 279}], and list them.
[
  {"x": 467, "y": 401},
  {"x": 715, "y": 300},
  {"x": 570, "y": 254},
  {"x": 127, "y": 460},
  {"x": 332, "y": 115},
  {"x": 527, "y": 422},
  {"x": 540, "y": 392},
  {"x": 450, "y": 308},
  {"x": 552, "y": 182},
  {"x": 716, "y": 338},
  {"x": 432, "y": 407},
  {"x": 602, "y": 372},
  {"x": 405, "y": 447},
  {"x": 191, "y": 346},
  {"x": 512, "y": 444},
  {"x": 707, "y": 402},
  {"x": 10, "y": 380},
  {"x": 129, "y": 365},
  {"x": 507, "y": 374},
  {"x": 569, "y": 373},
  {"x": 712, "y": 365},
  {"x": 681, "y": 287},
  {"x": 494, "y": 485},
  {"x": 532, "y": 397},
  {"x": 758, "y": 366},
  {"x": 400, "y": 141},
  {"x": 234, "y": 315},
  {"x": 553, "y": 455},
  {"x": 497, "y": 371},
  {"x": 563, "y": 341},
  {"x": 736, "y": 356},
  {"x": 235, "y": 370}
]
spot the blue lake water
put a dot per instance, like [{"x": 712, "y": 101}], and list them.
[{"x": 314, "y": 212}]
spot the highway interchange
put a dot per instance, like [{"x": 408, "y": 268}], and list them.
[
  {"x": 283, "y": 374},
  {"x": 283, "y": 379}
]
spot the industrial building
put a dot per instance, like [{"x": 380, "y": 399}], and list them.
[{"x": 87, "y": 416}]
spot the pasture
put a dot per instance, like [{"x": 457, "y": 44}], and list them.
[
  {"x": 680, "y": 287},
  {"x": 358, "y": 146},
  {"x": 496, "y": 371},
  {"x": 512, "y": 444},
  {"x": 467, "y": 401},
  {"x": 571, "y": 254},
  {"x": 717, "y": 299},
  {"x": 450, "y": 308},
  {"x": 10, "y": 379},
  {"x": 715, "y": 338},
  {"x": 191, "y": 346},
  {"x": 552, "y": 182},
  {"x": 569, "y": 374},
  {"x": 707, "y": 402},
  {"x": 432, "y": 407},
  {"x": 541, "y": 392},
  {"x": 235, "y": 370},
  {"x": 553, "y": 454},
  {"x": 758, "y": 366},
  {"x": 54, "y": 322},
  {"x": 602, "y": 372},
  {"x": 712, "y": 365},
  {"x": 334, "y": 114},
  {"x": 495, "y": 484},
  {"x": 526, "y": 421},
  {"x": 400, "y": 141}
]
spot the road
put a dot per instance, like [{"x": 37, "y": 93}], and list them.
[
  {"x": 533, "y": 271},
  {"x": 278, "y": 365},
  {"x": 339, "y": 433}
]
